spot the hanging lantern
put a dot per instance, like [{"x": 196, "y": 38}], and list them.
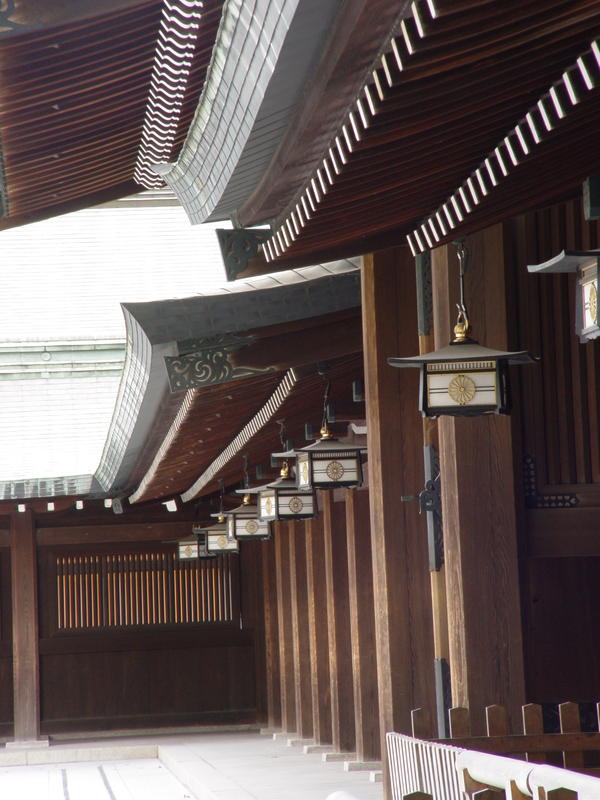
[
  {"x": 585, "y": 264},
  {"x": 188, "y": 549},
  {"x": 464, "y": 379},
  {"x": 218, "y": 539},
  {"x": 243, "y": 522},
  {"x": 281, "y": 500},
  {"x": 326, "y": 464}
]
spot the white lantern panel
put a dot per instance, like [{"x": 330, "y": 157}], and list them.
[
  {"x": 295, "y": 504},
  {"x": 188, "y": 550},
  {"x": 461, "y": 388},
  {"x": 334, "y": 470},
  {"x": 303, "y": 468},
  {"x": 219, "y": 543},
  {"x": 589, "y": 296},
  {"x": 250, "y": 528},
  {"x": 266, "y": 505}
]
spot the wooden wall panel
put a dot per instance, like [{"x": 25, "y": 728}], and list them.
[
  {"x": 134, "y": 686},
  {"x": 560, "y": 403},
  {"x": 149, "y": 675},
  {"x": 556, "y": 430}
]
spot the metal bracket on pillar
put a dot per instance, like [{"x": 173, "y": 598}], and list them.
[
  {"x": 443, "y": 696},
  {"x": 431, "y": 502},
  {"x": 239, "y": 246},
  {"x": 424, "y": 292}
]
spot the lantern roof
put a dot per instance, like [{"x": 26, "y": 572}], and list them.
[
  {"x": 467, "y": 350},
  {"x": 566, "y": 261},
  {"x": 245, "y": 508},
  {"x": 323, "y": 445}
]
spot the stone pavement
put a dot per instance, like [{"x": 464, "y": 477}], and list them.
[{"x": 233, "y": 765}]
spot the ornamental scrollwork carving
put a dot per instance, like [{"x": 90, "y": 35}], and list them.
[
  {"x": 239, "y": 246},
  {"x": 206, "y": 361}
]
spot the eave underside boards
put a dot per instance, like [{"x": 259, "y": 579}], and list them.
[
  {"x": 357, "y": 37},
  {"x": 218, "y": 413},
  {"x": 473, "y": 76},
  {"x": 73, "y": 105}
]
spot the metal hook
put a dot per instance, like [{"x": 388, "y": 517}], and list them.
[
  {"x": 462, "y": 254},
  {"x": 281, "y": 423}
]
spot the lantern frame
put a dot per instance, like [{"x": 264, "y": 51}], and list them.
[
  {"x": 322, "y": 465},
  {"x": 464, "y": 372},
  {"x": 585, "y": 264},
  {"x": 244, "y": 524},
  {"x": 218, "y": 539},
  {"x": 296, "y": 505}
]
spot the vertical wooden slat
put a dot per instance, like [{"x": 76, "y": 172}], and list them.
[
  {"x": 300, "y": 631},
  {"x": 318, "y": 634},
  {"x": 284, "y": 611},
  {"x": 338, "y": 625},
  {"x": 26, "y": 680},
  {"x": 362, "y": 626},
  {"x": 570, "y": 723},
  {"x": 271, "y": 635}
]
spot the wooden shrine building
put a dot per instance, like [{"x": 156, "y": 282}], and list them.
[{"x": 350, "y": 142}]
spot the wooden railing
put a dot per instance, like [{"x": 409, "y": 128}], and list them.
[{"x": 464, "y": 765}]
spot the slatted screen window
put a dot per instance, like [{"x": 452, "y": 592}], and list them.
[{"x": 141, "y": 589}]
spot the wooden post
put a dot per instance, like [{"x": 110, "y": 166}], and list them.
[
  {"x": 271, "y": 636},
  {"x": 402, "y": 590},
  {"x": 362, "y": 626},
  {"x": 317, "y": 626},
  {"x": 25, "y": 628},
  {"x": 478, "y": 503},
  {"x": 300, "y": 631},
  {"x": 284, "y": 616},
  {"x": 338, "y": 622}
]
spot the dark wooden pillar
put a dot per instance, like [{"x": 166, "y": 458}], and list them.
[
  {"x": 300, "y": 630},
  {"x": 362, "y": 626},
  {"x": 478, "y": 501},
  {"x": 338, "y": 622},
  {"x": 284, "y": 616},
  {"x": 25, "y": 628},
  {"x": 401, "y": 583},
  {"x": 317, "y": 626},
  {"x": 271, "y": 635}
]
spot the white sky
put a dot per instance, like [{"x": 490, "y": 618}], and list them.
[{"x": 64, "y": 280}]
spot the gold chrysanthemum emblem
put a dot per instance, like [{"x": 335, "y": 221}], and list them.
[
  {"x": 304, "y": 472},
  {"x": 251, "y": 526},
  {"x": 461, "y": 389},
  {"x": 222, "y": 542},
  {"x": 296, "y": 505},
  {"x": 334, "y": 471},
  {"x": 268, "y": 505},
  {"x": 188, "y": 551}
]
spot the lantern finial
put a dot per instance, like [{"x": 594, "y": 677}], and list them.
[
  {"x": 325, "y": 432},
  {"x": 285, "y": 471},
  {"x": 462, "y": 329},
  {"x": 246, "y": 500}
]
